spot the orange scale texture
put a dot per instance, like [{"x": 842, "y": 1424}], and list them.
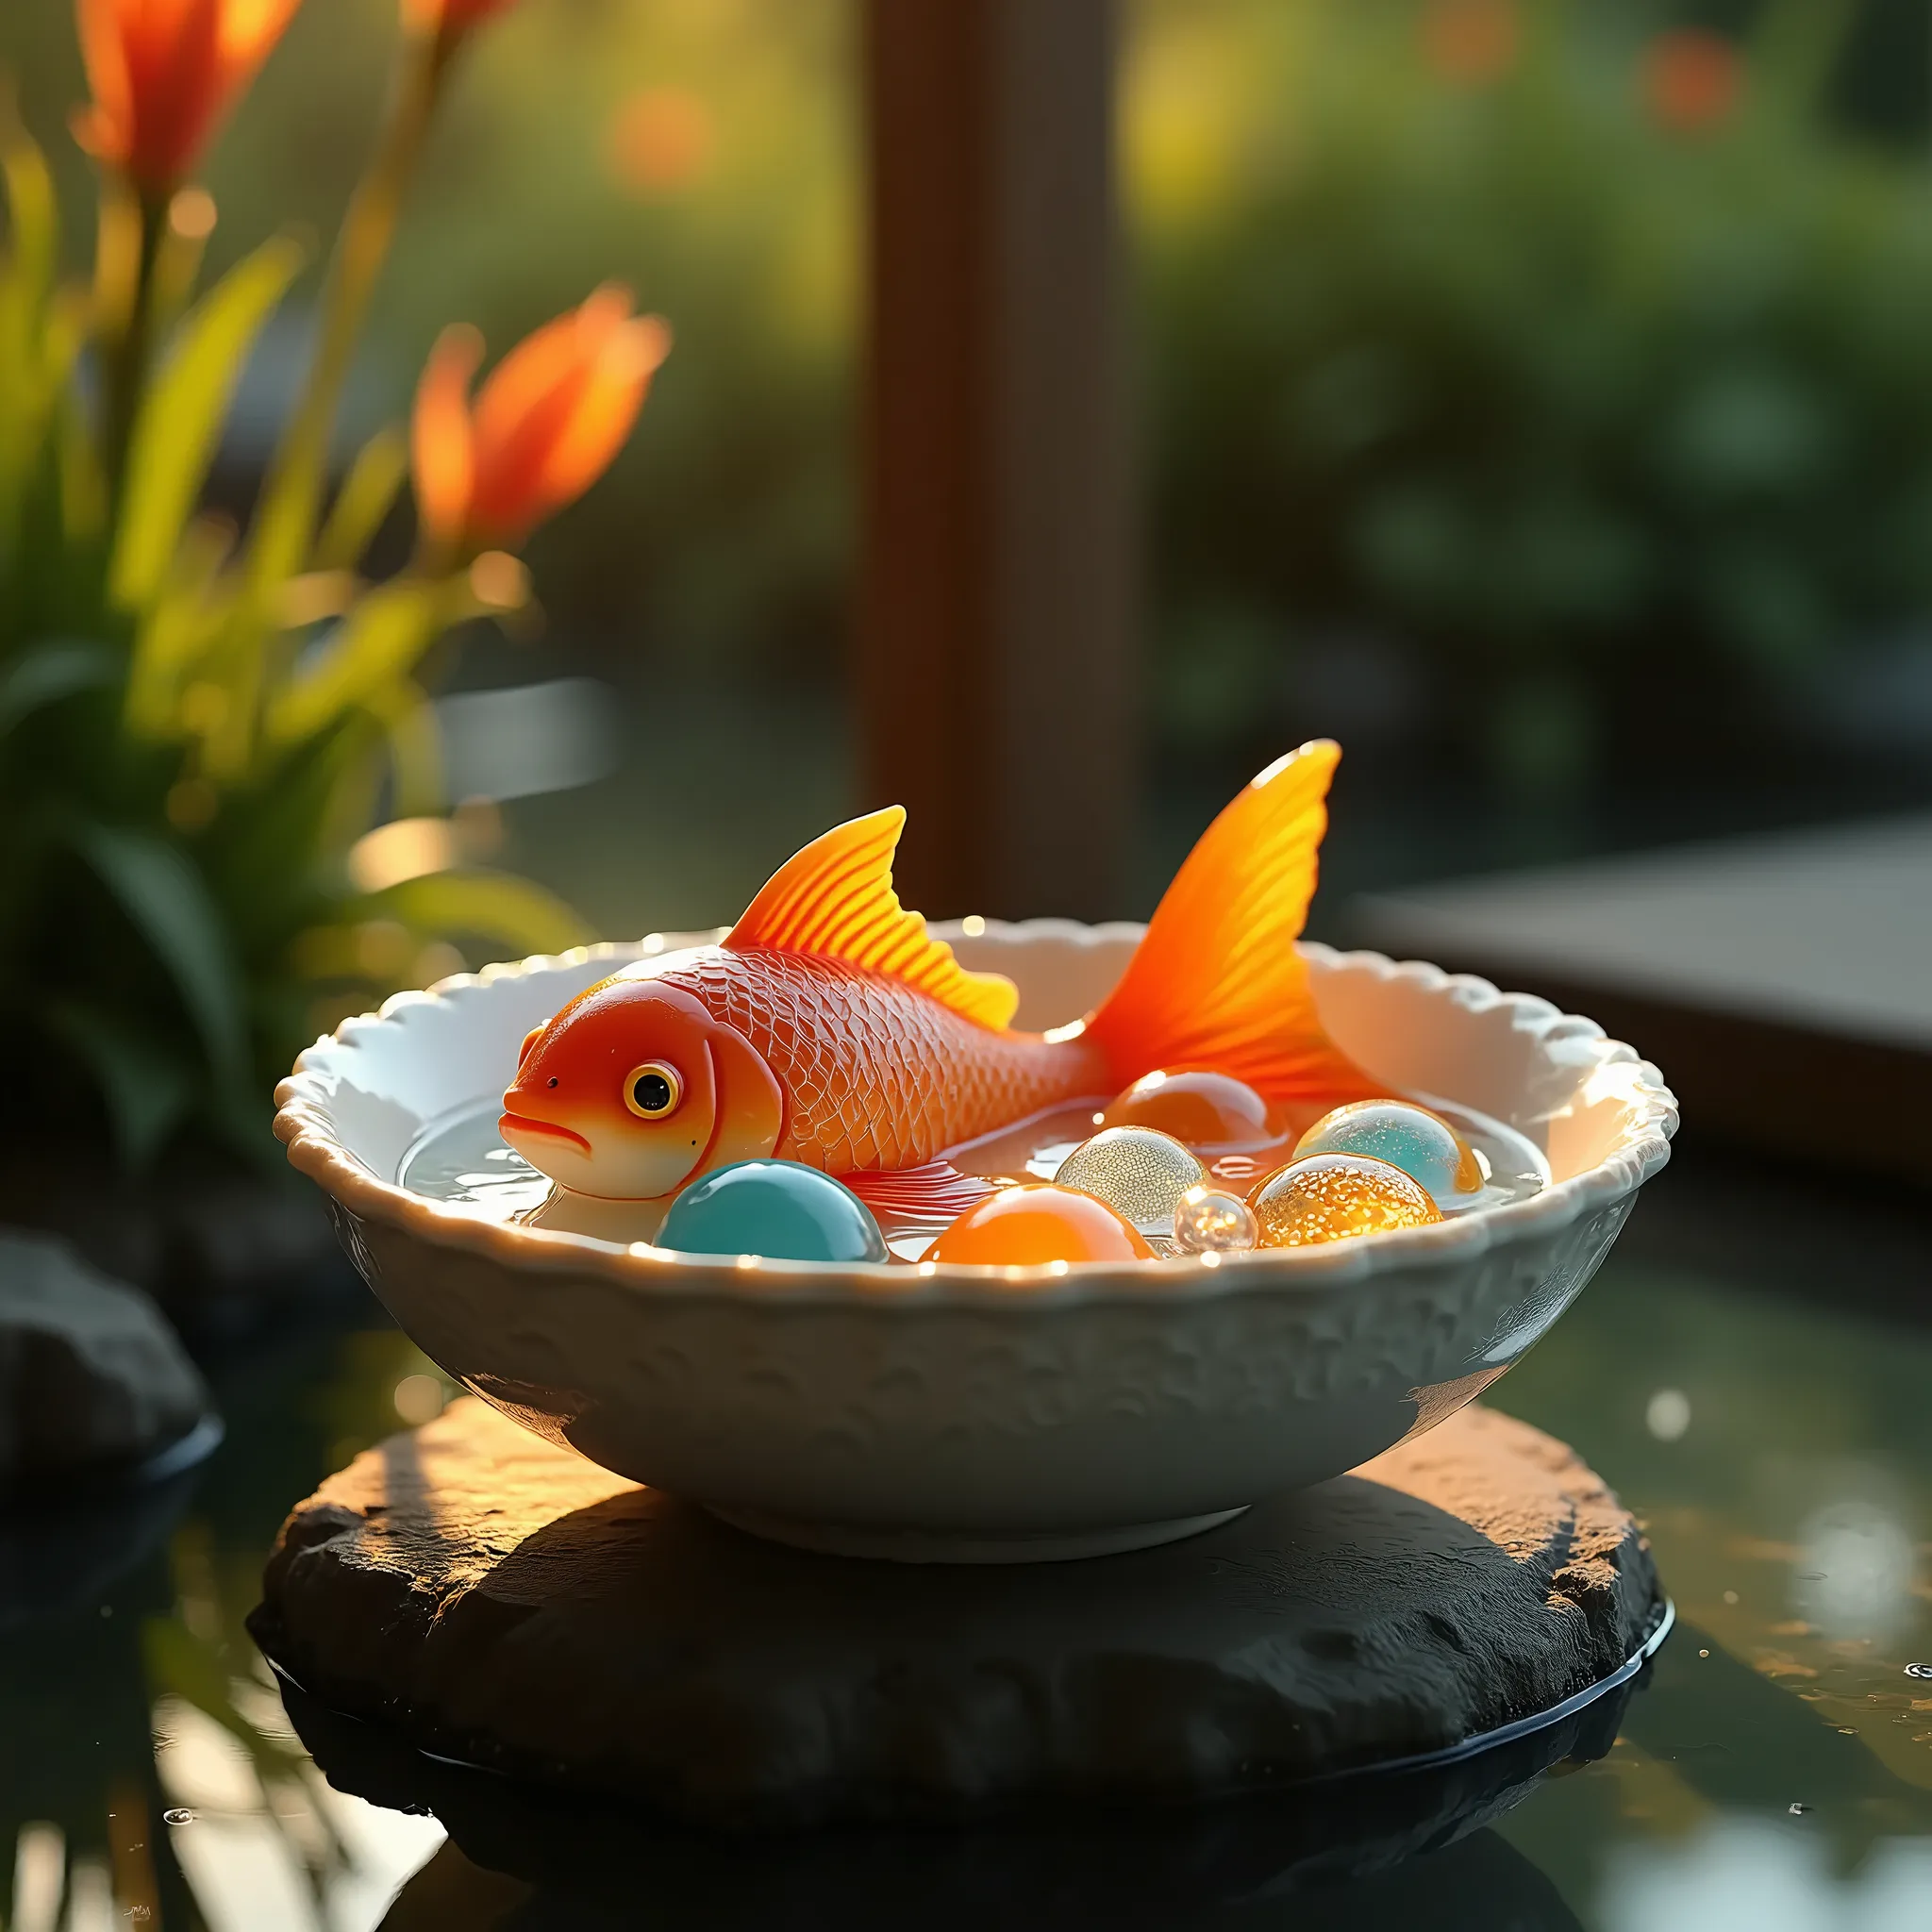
[
  {"x": 1024, "y": 1225},
  {"x": 1332, "y": 1197}
]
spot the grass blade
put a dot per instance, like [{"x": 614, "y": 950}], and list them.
[
  {"x": 181, "y": 417},
  {"x": 363, "y": 501},
  {"x": 375, "y": 644}
]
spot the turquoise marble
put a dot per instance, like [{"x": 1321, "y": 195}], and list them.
[
  {"x": 1392, "y": 1130},
  {"x": 778, "y": 1208}
]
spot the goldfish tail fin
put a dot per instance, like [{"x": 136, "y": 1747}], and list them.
[{"x": 1218, "y": 981}]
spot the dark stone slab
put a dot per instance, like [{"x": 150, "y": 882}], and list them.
[{"x": 500, "y": 1600}]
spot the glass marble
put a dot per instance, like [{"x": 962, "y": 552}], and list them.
[
  {"x": 1136, "y": 1170},
  {"x": 1424, "y": 1146},
  {"x": 1195, "y": 1105},
  {"x": 1332, "y": 1197},
  {"x": 780, "y": 1210},
  {"x": 1208, "y": 1222},
  {"x": 1037, "y": 1222}
]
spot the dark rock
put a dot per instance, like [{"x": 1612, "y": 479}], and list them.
[
  {"x": 91, "y": 1375},
  {"x": 221, "y": 1246},
  {"x": 503, "y": 1602}
]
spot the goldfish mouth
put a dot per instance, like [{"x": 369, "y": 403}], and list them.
[{"x": 526, "y": 1124}]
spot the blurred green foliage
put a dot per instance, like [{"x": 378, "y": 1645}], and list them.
[
  {"x": 1600, "y": 383},
  {"x": 705, "y": 155},
  {"x": 197, "y": 728}
]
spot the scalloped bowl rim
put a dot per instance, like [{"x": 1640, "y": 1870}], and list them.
[{"x": 306, "y": 1125}]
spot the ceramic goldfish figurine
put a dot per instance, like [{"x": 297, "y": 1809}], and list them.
[{"x": 830, "y": 1028}]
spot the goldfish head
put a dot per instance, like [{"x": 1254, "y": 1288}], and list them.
[{"x": 634, "y": 1089}]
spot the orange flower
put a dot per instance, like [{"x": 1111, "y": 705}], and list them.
[
  {"x": 544, "y": 428},
  {"x": 1471, "y": 41},
  {"x": 1692, "y": 79},
  {"x": 162, "y": 73}
]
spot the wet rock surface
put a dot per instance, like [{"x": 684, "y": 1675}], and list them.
[
  {"x": 500, "y": 1600},
  {"x": 92, "y": 1378}
]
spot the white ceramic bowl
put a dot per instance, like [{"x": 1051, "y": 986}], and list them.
[{"x": 987, "y": 1414}]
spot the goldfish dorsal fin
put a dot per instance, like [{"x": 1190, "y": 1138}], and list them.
[{"x": 835, "y": 901}]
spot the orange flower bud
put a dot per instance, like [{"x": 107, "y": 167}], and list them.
[
  {"x": 543, "y": 428},
  {"x": 1692, "y": 79},
  {"x": 164, "y": 72}
]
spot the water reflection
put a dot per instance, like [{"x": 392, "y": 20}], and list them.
[
  {"x": 1747, "y": 1872},
  {"x": 1857, "y": 1574},
  {"x": 1477, "y": 1885},
  {"x": 1125, "y": 1865}
]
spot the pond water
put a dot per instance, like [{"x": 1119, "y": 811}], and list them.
[{"x": 1750, "y": 1370}]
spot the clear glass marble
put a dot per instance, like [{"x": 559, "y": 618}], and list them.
[{"x": 1207, "y": 1222}]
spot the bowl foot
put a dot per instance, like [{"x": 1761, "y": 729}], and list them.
[{"x": 967, "y": 1546}]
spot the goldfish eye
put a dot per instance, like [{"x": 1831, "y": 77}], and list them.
[{"x": 652, "y": 1090}]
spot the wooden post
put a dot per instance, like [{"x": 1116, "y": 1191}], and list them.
[{"x": 997, "y": 669}]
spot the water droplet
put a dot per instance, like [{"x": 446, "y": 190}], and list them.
[
  {"x": 1704, "y": 1653},
  {"x": 180, "y": 1814},
  {"x": 1799, "y": 1810},
  {"x": 1730, "y": 1596}
]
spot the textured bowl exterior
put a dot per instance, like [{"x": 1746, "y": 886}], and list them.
[{"x": 1052, "y": 1402}]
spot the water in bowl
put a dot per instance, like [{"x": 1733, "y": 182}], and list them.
[{"x": 462, "y": 1159}]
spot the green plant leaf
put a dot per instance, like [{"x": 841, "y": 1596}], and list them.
[
  {"x": 493, "y": 905},
  {"x": 147, "y": 1089},
  {"x": 33, "y": 214},
  {"x": 182, "y": 416},
  {"x": 177, "y": 633},
  {"x": 46, "y": 673},
  {"x": 167, "y": 902},
  {"x": 33, "y": 353},
  {"x": 376, "y": 643},
  {"x": 368, "y": 492},
  {"x": 415, "y": 748}
]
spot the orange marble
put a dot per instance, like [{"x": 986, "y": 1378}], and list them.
[
  {"x": 1038, "y": 1222},
  {"x": 1200, "y": 1107}
]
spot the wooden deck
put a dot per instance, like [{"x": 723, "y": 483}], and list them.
[{"x": 1783, "y": 984}]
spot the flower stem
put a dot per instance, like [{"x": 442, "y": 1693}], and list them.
[
  {"x": 291, "y": 495},
  {"x": 132, "y": 341},
  {"x": 290, "y": 506}
]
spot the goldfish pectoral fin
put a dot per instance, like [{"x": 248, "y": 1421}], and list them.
[
  {"x": 834, "y": 900},
  {"x": 937, "y": 1191},
  {"x": 1218, "y": 981}
]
